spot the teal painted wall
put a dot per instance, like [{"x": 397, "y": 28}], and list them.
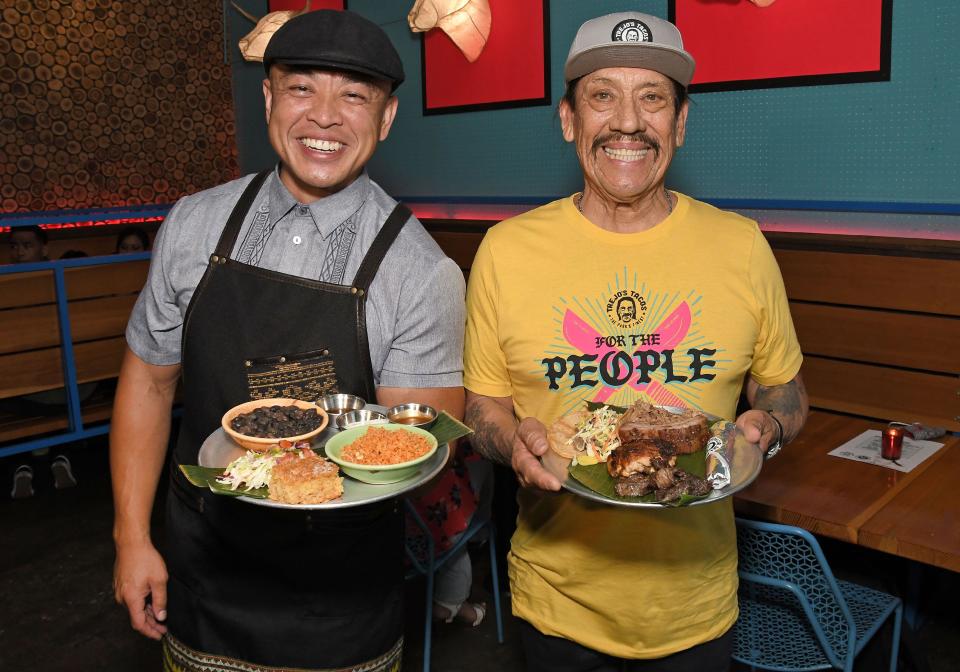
[{"x": 894, "y": 141}]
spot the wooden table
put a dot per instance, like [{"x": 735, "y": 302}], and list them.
[
  {"x": 922, "y": 522},
  {"x": 914, "y": 515}
]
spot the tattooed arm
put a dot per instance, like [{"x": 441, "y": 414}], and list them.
[
  {"x": 499, "y": 437},
  {"x": 788, "y": 402}
]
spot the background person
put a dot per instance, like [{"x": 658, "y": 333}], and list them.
[
  {"x": 608, "y": 587},
  {"x": 316, "y": 264},
  {"x": 28, "y": 244},
  {"x": 132, "y": 239}
]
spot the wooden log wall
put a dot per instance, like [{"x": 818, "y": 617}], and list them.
[{"x": 107, "y": 103}]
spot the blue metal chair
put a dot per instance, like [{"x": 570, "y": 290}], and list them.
[
  {"x": 425, "y": 561},
  {"x": 794, "y": 615}
]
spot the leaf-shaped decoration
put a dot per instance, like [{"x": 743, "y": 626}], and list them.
[
  {"x": 466, "y": 22},
  {"x": 254, "y": 44}
]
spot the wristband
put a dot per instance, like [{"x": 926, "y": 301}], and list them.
[{"x": 775, "y": 447}]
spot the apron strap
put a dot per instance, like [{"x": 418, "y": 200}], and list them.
[
  {"x": 378, "y": 250},
  {"x": 235, "y": 221}
]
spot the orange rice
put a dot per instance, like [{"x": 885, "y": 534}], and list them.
[{"x": 382, "y": 446}]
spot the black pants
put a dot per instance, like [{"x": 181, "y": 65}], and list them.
[{"x": 555, "y": 654}]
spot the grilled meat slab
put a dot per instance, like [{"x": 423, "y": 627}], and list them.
[
  {"x": 688, "y": 484},
  {"x": 637, "y": 485},
  {"x": 684, "y": 432}
]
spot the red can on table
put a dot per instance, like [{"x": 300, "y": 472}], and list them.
[{"x": 891, "y": 443}]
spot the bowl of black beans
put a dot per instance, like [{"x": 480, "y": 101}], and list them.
[{"x": 261, "y": 423}]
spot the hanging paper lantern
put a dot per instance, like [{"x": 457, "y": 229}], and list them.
[
  {"x": 254, "y": 44},
  {"x": 466, "y": 22}
]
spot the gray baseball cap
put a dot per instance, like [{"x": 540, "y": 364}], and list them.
[{"x": 629, "y": 40}]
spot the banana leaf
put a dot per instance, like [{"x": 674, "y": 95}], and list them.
[
  {"x": 445, "y": 429},
  {"x": 206, "y": 477},
  {"x": 597, "y": 478}
]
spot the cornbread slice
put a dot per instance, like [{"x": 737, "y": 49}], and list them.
[{"x": 303, "y": 477}]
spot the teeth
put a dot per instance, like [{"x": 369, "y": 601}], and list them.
[
  {"x": 626, "y": 154},
  {"x": 322, "y": 145}
]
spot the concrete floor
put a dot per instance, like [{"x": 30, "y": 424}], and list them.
[{"x": 57, "y": 611}]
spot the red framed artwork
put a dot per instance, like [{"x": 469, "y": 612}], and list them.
[
  {"x": 297, "y": 5},
  {"x": 738, "y": 45},
  {"x": 512, "y": 71}
]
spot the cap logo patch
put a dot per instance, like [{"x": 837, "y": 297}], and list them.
[{"x": 631, "y": 30}]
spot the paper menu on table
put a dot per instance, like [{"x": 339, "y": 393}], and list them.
[{"x": 866, "y": 448}]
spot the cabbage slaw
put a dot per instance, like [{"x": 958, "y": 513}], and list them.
[{"x": 596, "y": 437}]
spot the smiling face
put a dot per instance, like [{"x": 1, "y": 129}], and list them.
[
  {"x": 324, "y": 126},
  {"x": 626, "y": 130}
]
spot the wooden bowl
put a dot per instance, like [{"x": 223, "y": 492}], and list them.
[{"x": 261, "y": 444}]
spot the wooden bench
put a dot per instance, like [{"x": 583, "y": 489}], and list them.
[
  {"x": 879, "y": 323},
  {"x": 100, "y": 299}
]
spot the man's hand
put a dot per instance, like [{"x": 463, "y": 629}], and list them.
[
  {"x": 500, "y": 438},
  {"x": 788, "y": 401},
  {"x": 139, "y": 435},
  {"x": 529, "y": 443},
  {"x": 758, "y": 427},
  {"x": 140, "y": 584}
]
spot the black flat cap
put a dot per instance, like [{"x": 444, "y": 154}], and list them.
[{"x": 336, "y": 39}]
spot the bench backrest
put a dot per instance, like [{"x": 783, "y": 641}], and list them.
[
  {"x": 878, "y": 319},
  {"x": 99, "y": 302},
  {"x": 879, "y": 323}
]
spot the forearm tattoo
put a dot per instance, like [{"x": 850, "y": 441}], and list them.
[
  {"x": 489, "y": 438},
  {"x": 788, "y": 402}
]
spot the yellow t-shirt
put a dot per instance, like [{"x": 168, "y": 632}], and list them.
[{"x": 560, "y": 312}]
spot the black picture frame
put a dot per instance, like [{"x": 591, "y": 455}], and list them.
[
  {"x": 880, "y": 75},
  {"x": 545, "y": 99}
]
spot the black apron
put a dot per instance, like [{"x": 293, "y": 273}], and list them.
[{"x": 276, "y": 587}]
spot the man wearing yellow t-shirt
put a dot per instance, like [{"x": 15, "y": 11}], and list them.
[{"x": 625, "y": 291}]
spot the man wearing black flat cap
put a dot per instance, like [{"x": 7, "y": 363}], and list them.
[{"x": 299, "y": 281}]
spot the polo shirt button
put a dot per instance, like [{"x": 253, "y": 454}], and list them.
[{"x": 297, "y": 240}]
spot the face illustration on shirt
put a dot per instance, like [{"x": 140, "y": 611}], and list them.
[{"x": 324, "y": 126}]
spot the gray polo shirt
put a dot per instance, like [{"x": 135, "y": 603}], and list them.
[{"x": 415, "y": 308}]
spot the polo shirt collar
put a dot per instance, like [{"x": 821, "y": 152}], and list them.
[{"x": 329, "y": 212}]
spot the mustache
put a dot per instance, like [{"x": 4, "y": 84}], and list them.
[{"x": 601, "y": 140}]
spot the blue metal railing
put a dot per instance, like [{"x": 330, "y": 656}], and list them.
[
  {"x": 128, "y": 214},
  {"x": 75, "y": 429}
]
